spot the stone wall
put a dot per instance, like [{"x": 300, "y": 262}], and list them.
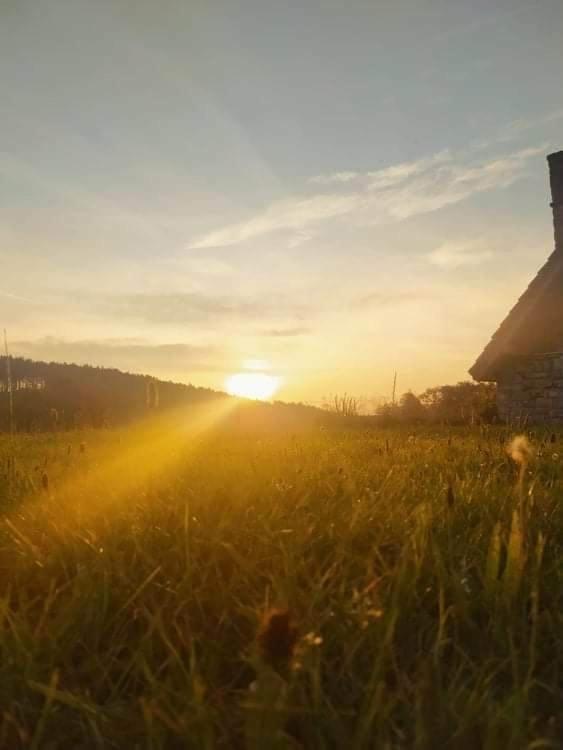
[{"x": 531, "y": 388}]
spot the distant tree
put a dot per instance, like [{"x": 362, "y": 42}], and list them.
[
  {"x": 388, "y": 412},
  {"x": 411, "y": 408},
  {"x": 465, "y": 402}
]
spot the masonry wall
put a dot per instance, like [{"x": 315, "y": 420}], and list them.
[{"x": 532, "y": 389}]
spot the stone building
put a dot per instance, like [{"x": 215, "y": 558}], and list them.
[{"x": 525, "y": 355}]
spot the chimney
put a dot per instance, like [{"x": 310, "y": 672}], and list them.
[{"x": 555, "y": 162}]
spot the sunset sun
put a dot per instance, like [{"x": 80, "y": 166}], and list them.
[{"x": 255, "y": 385}]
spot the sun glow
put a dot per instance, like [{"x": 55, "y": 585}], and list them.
[{"x": 256, "y": 385}]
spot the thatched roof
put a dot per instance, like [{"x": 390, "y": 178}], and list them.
[
  {"x": 535, "y": 323},
  {"x": 533, "y": 326}
]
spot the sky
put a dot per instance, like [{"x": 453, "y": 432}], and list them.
[{"x": 334, "y": 191}]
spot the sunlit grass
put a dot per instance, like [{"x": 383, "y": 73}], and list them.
[{"x": 427, "y": 594}]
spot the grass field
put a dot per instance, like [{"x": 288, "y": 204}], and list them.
[{"x": 422, "y": 570}]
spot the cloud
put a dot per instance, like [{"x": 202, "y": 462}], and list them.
[
  {"x": 331, "y": 179},
  {"x": 454, "y": 255},
  {"x": 287, "y": 332},
  {"x": 182, "y": 308},
  {"x": 198, "y": 307},
  {"x": 16, "y": 297},
  {"x": 293, "y": 214},
  {"x": 517, "y": 127},
  {"x": 125, "y": 354},
  {"x": 395, "y": 175},
  {"x": 299, "y": 239},
  {"x": 389, "y": 299},
  {"x": 383, "y": 196}
]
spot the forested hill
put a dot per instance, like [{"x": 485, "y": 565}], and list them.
[{"x": 50, "y": 394}]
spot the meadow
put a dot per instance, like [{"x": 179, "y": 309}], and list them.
[{"x": 165, "y": 587}]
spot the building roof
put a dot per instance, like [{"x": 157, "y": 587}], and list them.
[
  {"x": 535, "y": 323},
  {"x": 533, "y": 326}
]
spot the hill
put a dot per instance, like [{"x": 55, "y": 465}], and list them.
[{"x": 51, "y": 395}]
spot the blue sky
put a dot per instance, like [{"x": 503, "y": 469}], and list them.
[{"x": 338, "y": 189}]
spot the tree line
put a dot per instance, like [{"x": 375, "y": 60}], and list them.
[
  {"x": 49, "y": 395},
  {"x": 463, "y": 403}
]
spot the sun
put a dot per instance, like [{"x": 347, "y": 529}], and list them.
[{"x": 255, "y": 385}]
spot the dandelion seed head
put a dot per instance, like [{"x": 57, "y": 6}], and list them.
[{"x": 520, "y": 450}]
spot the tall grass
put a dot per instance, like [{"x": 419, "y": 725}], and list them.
[{"x": 132, "y": 601}]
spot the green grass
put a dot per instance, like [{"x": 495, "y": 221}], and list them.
[{"x": 133, "y": 586}]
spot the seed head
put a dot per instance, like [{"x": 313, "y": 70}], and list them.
[
  {"x": 520, "y": 450},
  {"x": 45, "y": 481}
]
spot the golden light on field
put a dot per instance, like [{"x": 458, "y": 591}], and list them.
[{"x": 255, "y": 385}]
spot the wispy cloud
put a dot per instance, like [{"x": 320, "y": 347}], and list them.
[
  {"x": 127, "y": 354},
  {"x": 16, "y": 297},
  {"x": 382, "y": 196},
  {"x": 395, "y": 175},
  {"x": 390, "y": 299},
  {"x": 287, "y": 332},
  {"x": 517, "y": 127},
  {"x": 295, "y": 214},
  {"x": 336, "y": 177},
  {"x": 454, "y": 255},
  {"x": 198, "y": 307},
  {"x": 299, "y": 239}
]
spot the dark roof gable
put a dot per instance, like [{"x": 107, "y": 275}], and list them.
[
  {"x": 535, "y": 323},
  {"x": 533, "y": 326}
]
